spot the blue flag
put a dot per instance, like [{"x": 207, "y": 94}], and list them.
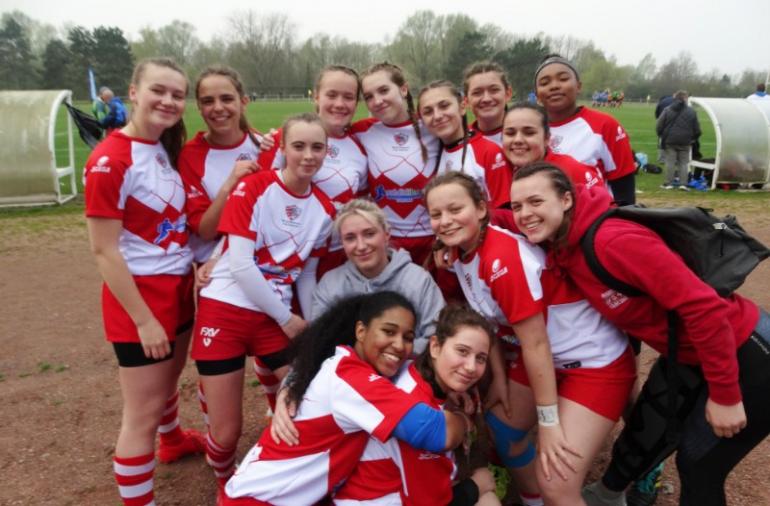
[{"x": 92, "y": 83}]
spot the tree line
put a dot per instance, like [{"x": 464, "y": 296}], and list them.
[{"x": 267, "y": 52}]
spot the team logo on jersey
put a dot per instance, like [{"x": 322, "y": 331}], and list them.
[
  {"x": 590, "y": 179},
  {"x": 400, "y": 195},
  {"x": 467, "y": 278},
  {"x": 374, "y": 377},
  {"x": 613, "y": 299},
  {"x": 401, "y": 138},
  {"x": 496, "y": 265},
  {"x": 194, "y": 193},
  {"x": 333, "y": 151},
  {"x": 428, "y": 456},
  {"x": 497, "y": 272},
  {"x": 621, "y": 134},
  {"x": 208, "y": 334},
  {"x": 101, "y": 165},
  {"x": 243, "y": 156},
  {"x": 555, "y": 142},
  {"x": 448, "y": 165},
  {"x": 499, "y": 161},
  {"x": 292, "y": 212},
  {"x": 162, "y": 161},
  {"x": 166, "y": 227},
  {"x": 238, "y": 192}
]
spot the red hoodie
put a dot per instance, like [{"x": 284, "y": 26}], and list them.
[{"x": 711, "y": 327}]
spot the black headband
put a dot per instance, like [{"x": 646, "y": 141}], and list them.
[{"x": 556, "y": 59}]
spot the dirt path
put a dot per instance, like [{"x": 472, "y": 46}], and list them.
[{"x": 58, "y": 381}]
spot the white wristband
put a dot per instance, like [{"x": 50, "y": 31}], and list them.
[{"x": 548, "y": 416}]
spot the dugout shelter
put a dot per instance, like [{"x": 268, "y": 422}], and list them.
[
  {"x": 742, "y": 129},
  {"x": 29, "y": 173}
]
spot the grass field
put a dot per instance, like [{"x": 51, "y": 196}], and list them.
[{"x": 638, "y": 120}]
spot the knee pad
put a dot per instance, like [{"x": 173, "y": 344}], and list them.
[{"x": 504, "y": 436}]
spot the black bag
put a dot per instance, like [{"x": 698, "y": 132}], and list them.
[
  {"x": 88, "y": 127},
  {"x": 651, "y": 168},
  {"x": 718, "y": 250}
]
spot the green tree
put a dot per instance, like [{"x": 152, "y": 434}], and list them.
[
  {"x": 55, "y": 60},
  {"x": 113, "y": 61},
  {"x": 471, "y": 47},
  {"x": 82, "y": 47},
  {"x": 16, "y": 58},
  {"x": 520, "y": 62}
]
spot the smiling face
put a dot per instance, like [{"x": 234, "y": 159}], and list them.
[
  {"x": 384, "y": 99},
  {"x": 158, "y": 100},
  {"x": 365, "y": 244},
  {"x": 538, "y": 210},
  {"x": 487, "y": 96},
  {"x": 557, "y": 89},
  {"x": 461, "y": 361},
  {"x": 304, "y": 146},
  {"x": 221, "y": 108},
  {"x": 387, "y": 341},
  {"x": 442, "y": 114},
  {"x": 454, "y": 217},
  {"x": 336, "y": 99},
  {"x": 524, "y": 138}
]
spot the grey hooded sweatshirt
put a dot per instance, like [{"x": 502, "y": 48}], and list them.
[{"x": 400, "y": 275}]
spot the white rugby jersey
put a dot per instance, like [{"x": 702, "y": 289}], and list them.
[
  {"x": 485, "y": 163},
  {"x": 204, "y": 167},
  {"x": 596, "y": 139},
  {"x": 397, "y": 173},
  {"x": 132, "y": 180},
  {"x": 495, "y": 135},
  {"x": 345, "y": 403},
  {"x": 286, "y": 229},
  {"x": 394, "y": 472}
]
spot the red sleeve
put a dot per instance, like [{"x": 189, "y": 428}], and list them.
[
  {"x": 619, "y": 145},
  {"x": 579, "y": 173},
  {"x": 267, "y": 157},
  {"x": 498, "y": 173},
  {"x": 513, "y": 275},
  {"x": 240, "y": 209},
  {"x": 374, "y": 392},
  {"x": 362, "y": 125},
  {"x": 104, "y": 177},
  {"x": 191, "y": 169},
  {"x": 672, "y": 285}
]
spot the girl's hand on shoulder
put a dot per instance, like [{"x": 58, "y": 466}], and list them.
[
  {"x": 294, "y": 326},
  {"x": 282, "y": 427},
  {"x": 268, "y": 140},
  {"x": 444, "y": 257},
  {"x": 154, "y": 339},
  {"x": 726, "y": 421},
  {"x": 484, "y": 479},
  {"x": 240, "y": 169},
  {"x": 462, "y": 401},
  {"x": 203, "y": 273},
  {"x": 554, "y": 452}
]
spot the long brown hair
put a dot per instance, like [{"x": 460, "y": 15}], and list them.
[
  {"x": 174, "y": 137},
  {"x": 397, "y": 77}
]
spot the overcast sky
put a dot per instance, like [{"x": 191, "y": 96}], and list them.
[{"x": 729, "y": 36}]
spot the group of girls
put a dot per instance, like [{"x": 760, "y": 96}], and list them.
[{"x": 357, "y": 420}]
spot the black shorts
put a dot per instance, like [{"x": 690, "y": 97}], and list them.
[
  {"x": 224, "y": 366},
  {"x": 132, "y": 355}
]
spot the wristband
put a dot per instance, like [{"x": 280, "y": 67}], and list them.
[{"x": 548, "y": 416}]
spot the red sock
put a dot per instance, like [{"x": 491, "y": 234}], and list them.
[
  {"x": 169, "y": 430},
  {"x": 270, "y": 382},
  {"x": 531, "y": 499},
  {"x": 134, "y": 477},
  {"x": 221, "y": 460},
  {"x": 204, "y": 406}
]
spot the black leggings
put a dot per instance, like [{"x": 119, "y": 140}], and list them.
[{"x": 704, "y": 460}]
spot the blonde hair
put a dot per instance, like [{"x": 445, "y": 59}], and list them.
[{"x": 364, "y": 208}]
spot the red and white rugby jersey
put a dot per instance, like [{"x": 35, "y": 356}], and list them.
[
  {"x": 397, "y": 173},
  {"x": 579, "y": 173},
  {"x": 502, "y": 279},
  {"x": 345, "y": 403},
  {"x": 594, "y": 138},
  {"x": 286, "y": 229},
  {"x": 393, "y": 466},
  {"x": 579, "y": 335},
  {"x": 132, "y": 180},
  {"x": 204, "y": 167},
  {"x": 485, "y": 163},
  {"x": 495, "y": 135}
]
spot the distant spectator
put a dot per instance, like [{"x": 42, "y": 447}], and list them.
[
  {"x": 760, "y": 94},
  {"x": 99, "y": 107},
  {"x": 678, "y": 129},
  {"x": 665, "y": 101},
  {"x": 116, "y": 115}
]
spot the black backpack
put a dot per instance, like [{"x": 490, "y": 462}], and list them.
[{"x": 718, "y": 250}]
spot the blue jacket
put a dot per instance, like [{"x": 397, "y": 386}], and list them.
[{"x": 116, "y": 118}]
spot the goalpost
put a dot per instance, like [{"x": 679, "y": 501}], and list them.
[{"x": 29, "y": 173}]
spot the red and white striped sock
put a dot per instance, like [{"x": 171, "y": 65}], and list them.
[
  {"x": 169, "y": 430},
  {"x": 204, "y": 405},
  {"x": 134, "y": 477},
  {"x": 531, "y": 499},
  {"x": 221, "y": 460},
  {"x": 270, "y": 382}
]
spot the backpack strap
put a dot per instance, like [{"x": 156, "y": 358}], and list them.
[{"x": 587, "y": 243}]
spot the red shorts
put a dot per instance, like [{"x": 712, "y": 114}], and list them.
[
  {"x": 603, "y": 390},
  {"x": 169, "y": 297},
  {"x": 420, "y": 248},
  {"x": 224, "y": 331}
]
